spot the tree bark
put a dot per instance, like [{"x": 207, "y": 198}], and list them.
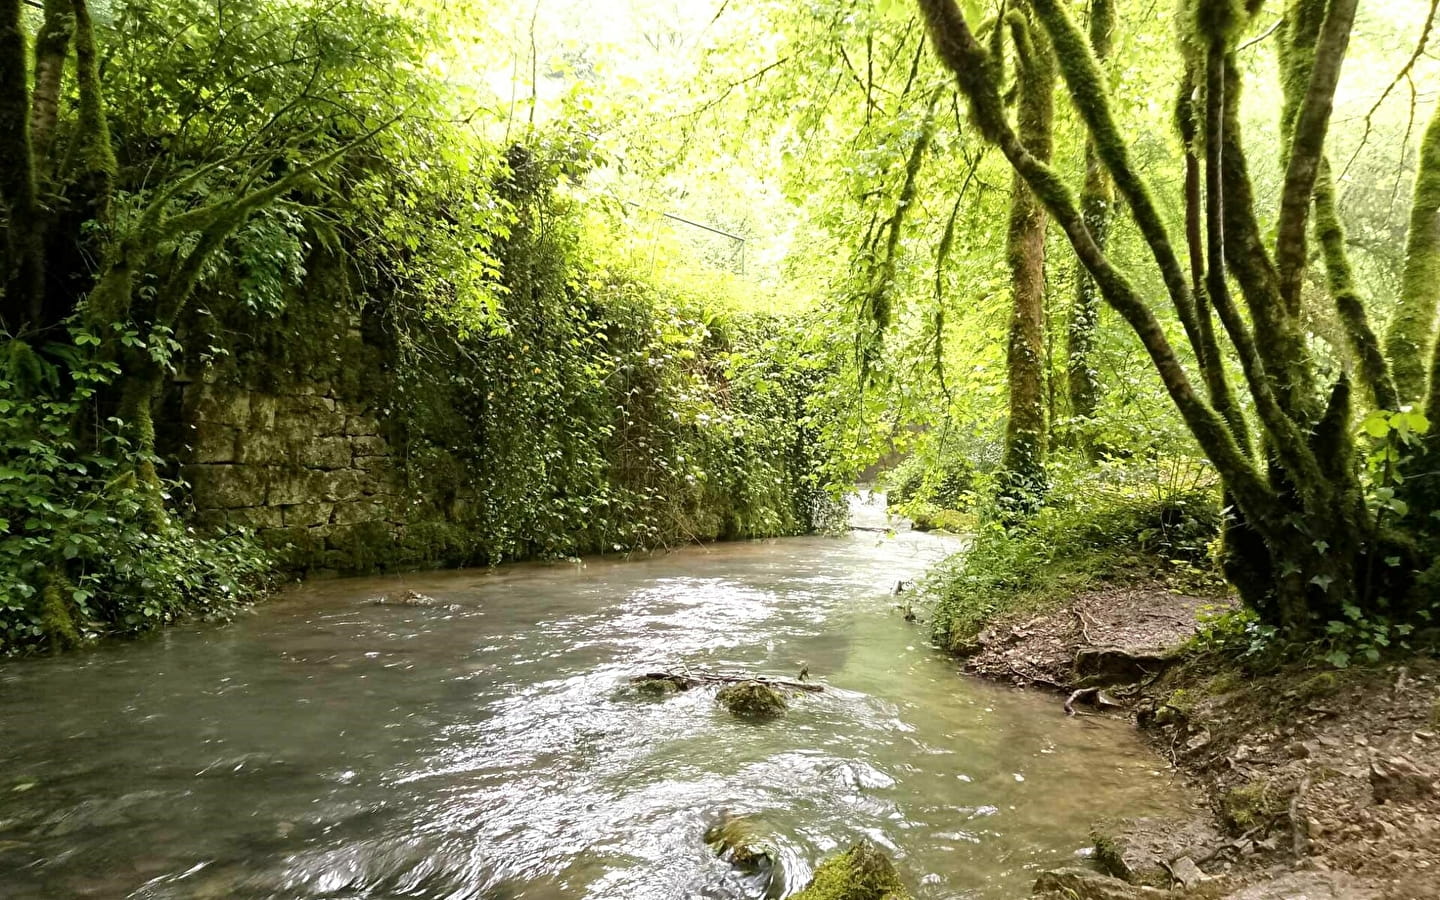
[
  {"x": 1412, "y": 333},
  {"x": 1024, "y": 480},
  {"x": 1096, "y": 199},
  {"x": 52, "y": 44},
  {"x": 21, "y": 281}
]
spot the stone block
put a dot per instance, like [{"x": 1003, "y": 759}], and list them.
[
  {"x": 213, "y": 444},
  {"x": 263, "y": 408},
  {"x": 361, "y": 426},
  {"x": 257, "y": 517},
  {"x": 323, "y": 453},
  {"x": 335, "y": 486},
  {"x": 262, "y": 448},
  {"x": 305, "y": 544},
  {"x": 219, "y": 404},
  {"x": 380, "y": 466},
  {"x": 309, "y": 416},
  {"x": 369, "y": 445},
  {"x": 307, "y": 514},
  {"x": 289, "y": 486},
  {"x": 226, "y": 486},
  {"x": 360, "y": 511}
]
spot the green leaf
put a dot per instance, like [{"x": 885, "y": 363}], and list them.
[{"x": 1377, "y": 425}]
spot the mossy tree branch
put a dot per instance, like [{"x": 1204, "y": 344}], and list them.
[
  {"x": 1026, "y": 430},
  {"x": 1412, "y": 332},
  {"x": 1097, "y": 198},
  {"x": 1307, "y": 146},
  {"x": 52, "y": 45},
  {"x": 1370, "y": 358},
  {"x": 958, "y": 49},
  {"x": 21, "y": 281},
  {"x": 1215, "y": 291},
  {"x": 876, "y": 302},
  {"x": 1087, "y": 91}
]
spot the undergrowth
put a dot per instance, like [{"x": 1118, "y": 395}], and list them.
[
  {"x": 1097, "y": 528},
  {"x": 86, "y": 549}
]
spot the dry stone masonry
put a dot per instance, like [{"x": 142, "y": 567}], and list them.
[{"x": 303, "y": 466}]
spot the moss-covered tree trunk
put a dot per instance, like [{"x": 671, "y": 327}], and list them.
[
  {"x": 1412, "y": 332},
  {"x": 1024, "y": 480},
  {"x": 21, "y": 273},
  {"x": 1329, "y": 555},
  {"x": 1096, "y": 199}
]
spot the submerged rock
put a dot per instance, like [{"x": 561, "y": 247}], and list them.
[
  {"x": 409, "y": 598},
  {"x": 734, "y": 839},
  {"x": 752, "y": 700},
  {"x": 861, "y": 873},
  {"x": 656, "y": 688}
]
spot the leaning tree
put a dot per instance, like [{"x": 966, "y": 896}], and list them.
[{"x": 1332, "y": 482}]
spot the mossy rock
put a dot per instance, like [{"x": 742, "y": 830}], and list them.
[
  {"x": 752, "y": 700},
  {"x": 735, "y": 840},
  {"x": 1120, "y": 859},
  {"x": 656, "y": 688},
  {"x": 1250, "y": 805},
  {"x": 861, "y": 873}
]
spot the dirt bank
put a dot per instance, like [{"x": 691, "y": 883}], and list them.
[{"x": 1321, "y": 783}]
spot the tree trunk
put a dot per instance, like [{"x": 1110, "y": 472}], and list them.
[
  {"x": 52, "y": 44},
  {"x": 21, "y": 280},
  {"x": 1024, "y": 483},
  {"x": 1096, "y": 199},
  {"x": 1412, "y": 333}
]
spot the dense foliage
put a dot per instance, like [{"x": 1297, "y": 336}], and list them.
[
  {"x": 204, "y": 191},
  {"x": 671, "y": 271}
]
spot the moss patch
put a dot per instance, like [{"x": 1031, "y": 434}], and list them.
[
  {"x": 861, "y": 873},
  {"x": 752, "y": 700}
]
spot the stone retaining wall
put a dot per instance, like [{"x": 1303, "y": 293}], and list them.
[{"x": 302, "y": 465}]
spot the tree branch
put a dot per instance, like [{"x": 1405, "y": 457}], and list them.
[
  {"x": 1307, "y": 145},
  {"x": 957, "y": 48}
]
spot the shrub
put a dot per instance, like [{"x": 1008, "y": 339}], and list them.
[
  {"x": 1096, "y": 528},
  {"x": 86, "y": 548}
]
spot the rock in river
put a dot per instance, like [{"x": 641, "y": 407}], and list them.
[
  {"x": 860, "y": 873},
  {"x": 752, "y": 700}
]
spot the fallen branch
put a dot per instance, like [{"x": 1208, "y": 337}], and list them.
[{"x": 686, "y": 680}]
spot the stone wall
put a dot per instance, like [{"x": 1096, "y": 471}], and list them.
[{"x": 301, "y": 464}]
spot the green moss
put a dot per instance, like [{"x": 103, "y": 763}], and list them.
[
  {"x": 752, "y": 700},
  {"x": 56, "y": 619},
  {"x": 1109, "y": 855},
  {"x": 861, "y": 873},
  {"x": 1182, "y": 700},
  {"x": 656, "y": 688},
  {"x": 1251, "y": 805},
  {"x": 735, "y": 840},
  {"x": 929, "y": 517},
  {"x": 1412, "y": 332},
  {"x": 1317, "y": 687}
]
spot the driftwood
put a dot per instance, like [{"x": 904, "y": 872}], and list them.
[{"x": 688, "y": 679}]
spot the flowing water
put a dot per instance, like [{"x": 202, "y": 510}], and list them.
[{"x": 489, "y": 746}]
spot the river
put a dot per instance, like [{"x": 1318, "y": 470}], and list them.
[{"x": 328, "y": 746}]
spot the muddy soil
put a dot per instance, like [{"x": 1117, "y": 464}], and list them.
[{"x": 1322, "y": 784}]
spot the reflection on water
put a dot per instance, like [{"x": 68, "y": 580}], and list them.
[{"x": 327, "y": 746}]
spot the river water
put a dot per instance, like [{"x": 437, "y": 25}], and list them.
[{"x": 488, "y": 747}]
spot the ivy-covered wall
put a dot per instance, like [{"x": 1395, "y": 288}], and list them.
[{"x": 353, "y": 441}]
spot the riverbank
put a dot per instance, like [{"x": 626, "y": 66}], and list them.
[{"x": 1321, "y": 783}]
